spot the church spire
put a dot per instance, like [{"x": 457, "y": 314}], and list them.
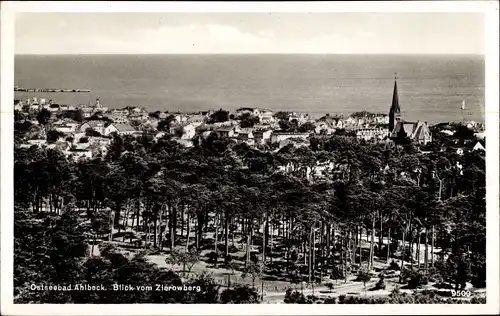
[
  {"x": 395, "y": 100},
  {"x": 395, "y": 110}
]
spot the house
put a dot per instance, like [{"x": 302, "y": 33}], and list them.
[
  {"x": 98, "y": 106},
  {"x": 278, "y": 136},
  {"x": 138, "y": 116},
  {"x": 122, "y": 112},
  {"x": 37, "y": 142},
  {"x": 262, "y": 136},
  {"x": 351, "y": 121},
  {"x": 87, "y": 111},
  {"x": 225, "y": 132},
  {"x": 53, "y": 108},
  {"x": 97, "y": 125},
  {"x": 77, "y": 136},
  {"x": 100, "y": 141},
  {"x": 478, "y": 146},
  {"x": 372, "y": 133},
  {"x": 323, "y": 127},
  {"x": 300, "y": 117},
  {"x": 34, "y": 107},
  {"x": 64, "y": 127},
  {"x": 18, "y": 105},
  {"x": 245, "y": 135},
  {"x": 197, "y": 118},
  {"x": 59, "y": 145},
  {"x": 416, "y": 131},
  {"x": 80, "y": 151},
  {"x": 136, "y": 110},
  {"x": 125, "y": 129},
  {"x": 63, "y": 107},
  {"x": 163, "y": 115},
  {"x": 117, "y": 118},
  {"x": 266, "y": 116},
  {"x": 188, "y": 130}
]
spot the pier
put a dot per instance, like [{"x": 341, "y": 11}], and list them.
[{"x": 17, "y": 89}]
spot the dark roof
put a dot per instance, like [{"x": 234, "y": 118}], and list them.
[{"x": 395, "y": 100}]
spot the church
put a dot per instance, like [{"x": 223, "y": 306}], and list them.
[{"x": 417, "y": 131}]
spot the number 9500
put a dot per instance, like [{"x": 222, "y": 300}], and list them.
[{"x": 462, "y": 293}]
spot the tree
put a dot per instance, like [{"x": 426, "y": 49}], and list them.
[
  {"x": 306, "y": 127},
  {"x": 248, "y": 120},
  {"x": 463, "y": 134},
  {"x": 164, "y": 125},
  {"x": 155, "y": 114},
  {"x": 90, "y": 132},
  {"x": 281, "y": 115},
  {"x": 53, "y": 136},
  {"x": 286, "y": 125},
  {"x": 179, "y": 131},
  {"x": 78, "y": 116},
  {"x": 240, "y": 294},
  {"x": 219, "y": 116},
  {"x": 254, "y": 271},
  {"x": 364, "y": 277},
  {"x": 43, "y": 116}
]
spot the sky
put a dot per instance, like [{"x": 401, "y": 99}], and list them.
[{"x": 249, "y": 33}]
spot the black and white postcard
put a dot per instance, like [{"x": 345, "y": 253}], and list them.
[{"x": 195, "y": 156}]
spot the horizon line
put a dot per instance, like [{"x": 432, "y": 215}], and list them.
[{"x": 211, "y": 54}]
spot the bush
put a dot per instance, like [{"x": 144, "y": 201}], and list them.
[
  {"x": 416, "y": 279},
  {"x": 380, "y": 284},
  {"x": 240, "y": 294},
  {"x": 393, "y": 266},
  {"x": 330, "y": 285},
  {"x": 212, "y": 257},
  {"x": 294, "y": 297},
  {"x": 395, "y": 291},
  {"x": 364, "y": 277},
  {"x": 337, "y": 273},
  {"x": 330, "y": 300}
]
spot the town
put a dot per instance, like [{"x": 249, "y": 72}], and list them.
[
  {"x": 86, "y": 131},
  {"x": 252, "y": 206}
]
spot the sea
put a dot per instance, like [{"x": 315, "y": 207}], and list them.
[{"x": 431, "y": 87}]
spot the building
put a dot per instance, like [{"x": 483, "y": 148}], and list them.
[
  {"x": 279, "y": 136},
  {"x": 478, "y": 146},
  {"x": 188, "y": 130},
  {"x": 395, "y": 111},
  {"x": 124, "y": 129},
  {"x": 262, "y": 136},
  {"x": 121, "y": 112},
  {"x": 18, "y": 105},
  {"x": 225, "y": 132},
  {"x": 416, "y": 131},
  {"x": 372, "y": 133},
  {"x": 245, "y": 135},
  {"x": 117, "y": 117},
  {"x": 96, "y": 125},
  {"x": 64, "y": 127}
]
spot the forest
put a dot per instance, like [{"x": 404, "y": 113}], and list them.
[{"x": 263, "y": 213}]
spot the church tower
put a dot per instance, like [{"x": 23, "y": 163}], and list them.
[{"x": 395, "y": 111}]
